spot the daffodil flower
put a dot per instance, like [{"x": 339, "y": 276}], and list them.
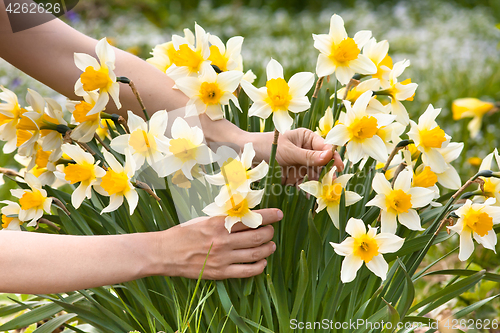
[
  {"x": 10, "y": 114},
  {"x": 491, "y": 185},
  {"x": 144, "y": 138},
  {"x": 28, "y": 127},
  {"x": 399, "y": 202},
  {"x": 84, "y": 171},
  {"x": 238, "y": 208},
  {"x": 471, "y": 108},
  {"x": 188, "y": 55},
  {"x": 237, "y": 174},
  {"x": 341, "y": 54},
  {"x": 325, "y": 123},
  {"x": 9, "y": 221},
  {"x": 377, "y": 53},
  {"x": 87, "y": 124},
  {"x": 329, "y": 191},
  {"x": 98, "y": 76},
  {"x": 365, "y": 247},
  {"x": 359, "y": 130},
  {"x": 358, "y": 90},
  {"x": 184, "y": 150},
  {"x": 476, "y": 221},
  {"x": 278, "y": 96},
  {"x": 429, "y": 138},
  {"x": 116, "y": 183},
  {"x": 399, "y": 91},
  {"x": 210, "y": 91},
  {"x": 33, "y": 202},
  {"x": 226, "y": 58}
]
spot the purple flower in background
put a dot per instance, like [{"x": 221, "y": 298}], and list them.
[{"x": 73, "y": 17}]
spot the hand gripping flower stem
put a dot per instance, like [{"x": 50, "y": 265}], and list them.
[
  {"x": 131, "y": 84},
  {"x": 270, "y": 175}
]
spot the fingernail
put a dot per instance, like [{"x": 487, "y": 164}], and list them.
[
  {"x": 322, "y": 156},
  {"x": 274, "y": 247},
  {"x": 280, "y": 214}
]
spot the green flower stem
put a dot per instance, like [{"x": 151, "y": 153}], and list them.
[
  {"x": 270, "y": 174},
  {"x": 131, "y": 84}
]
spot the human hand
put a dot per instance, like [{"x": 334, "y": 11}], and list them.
[
  {"x": 300, "y": 152},
  {"x": 239, "y": 254}
]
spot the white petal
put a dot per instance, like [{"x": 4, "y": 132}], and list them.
[
  {"x": 168, "y": 166},
  {"x": 324, "y": 66},
  {"x": 362, "y": 37},
  {"x": 100, "y": 104},
  {"x": 158, "y": 123},
  {"x": 301, "y": 83},
  {"x": 229, "y": 81},
  {"x": 350, "y": 267},
  {"x": 258, "y": 172},
  {"x": 132, "y": 199},
  {"x": 189, "y": 86},
  {"x": 274, "y": 70},
  {"x": 378, "y": 266},
  {"x": 355, "y": 227},
  {"x": 180, "y": 128},
  {"x": 299, "y": 104},
  {"x": 338, "y": 135},
  {"x": 282, "y": 121},
  {"x": 115, "y": 201},
  {"x": 389, "y": 243},
  {"x": 343, "y": 74},
  {"x": 252, "y": 219},
  {"x": 252, "y": 92},
  {"x": 333, "y": 212},
  {"x": 120, "y": 143},
  {"x": 105, "y": 52},
  {"x": 337, "y": 29},
  {"x": 375, "y": 147},
  {"x": 351, "y": 198},
  {"x": 403, "y": 181},
  {"x": 345, "y": 248},
  {"x": 433, "y": 158},
  {"x": 410, "y": 219},
  {"x": 381, "y": 185},
  {"x": 83, "y": 60},
  {"x": 450, "y": 178},
  {"x": 363, "y": 65},
  {"x": 79, "y": 195},
  {"x": 388, "y": 222},
  {"x": 466, "y": 246}
]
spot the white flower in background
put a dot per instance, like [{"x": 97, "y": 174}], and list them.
[
  {"x": 210, "y": 91},
  {"x": 116, "y": 183},
  {"x": 33, "y": 202},
  {"x": 236, "y": 173},
  {"x": 359, "y": 130},
  {"x": 450, "y": 177},
  {"x": 341, "y": 54},
  {"x": 238, "y": 208},
  {"x": 184, "y": 150},
  {"x": 190, "y": 54},
  {"x": 98, "y": 76},
  {"x": 28, "y": 127},
  {"x": 325, "y": 123},
  {"x": 10, "y": 114},
  {"x": 84, "y": 171},
  {"x": 429, "y": 138},
  {"x": 329, "y": 191},
  {"x": 278, "y": 96},
  {"x": 365, "y": 247},
  {"x": 377, "y": 53},
  {"x": 144, "y": 139},
  {"x": 87, "y": 124},
  {"x": 226, "y": 58},
  {"x": 399, "y": 91},
  {"x": 491, "y": 184},
  {"x": 399, "y": 203},
  {"x": 476, "y": 221},
  {"x": 10, "y": 222}
]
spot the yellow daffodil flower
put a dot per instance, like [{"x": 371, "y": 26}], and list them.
[
  {"x": 476, "y": 221},
  {"x": 10, "y": 222},
  {"x": 377, "y": 52},
  {"x": 10, "y": 114},
  {"x": 341, "y": 54},
  {"x": 399, "y": 203},
  {"x": 325, "y": 123},
  {"x": 278, "y": 96},
  {"x": 87, "y": 125},
  {"x": 365, "y": 247},
  {"x": 33, "y": 202},
  {"x": 329, "y": 191},
  {"x": 471, "y": 108}
]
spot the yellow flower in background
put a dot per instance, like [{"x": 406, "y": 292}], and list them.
[
  {"x": 144, "y": 139},
  {"x": 33, "y": 202},
  {"x": 359, "y": 130},
  {"x": 429, "y": 138},
  {"x": 341, "y": 54},
  {"x": 161, "y": 56},
  {"x": 278, "y": 96},
  {"x": 491, "y": 185},
  {"x": 84, "y": 171},
  {"x": 10, "y": 222},
  {"x": 399, "y": 203},
  {"x": 329, "y": 191},
  {"x": 98, "y": 76},
  {"x": 365, "y": 247},
  {"x": 325, "y": 123},
  {"x": 377, "y": 52},
  {"x": 209, "y": 92},
  {"x": 184, "y": 150},
  {"x": 226, "y": 58},
  {"x": 238, "y": 208},
  {"x": 476, "y": 221},
  {"x": 116, "y": 183},
  {"x": 471, "y": 108},
  {"x": 188, "y": 54},
  {"x": 236, "y": 172},
  {"x": 10, "y": 114}
]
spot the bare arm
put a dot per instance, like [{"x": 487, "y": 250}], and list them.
[{"x": 34, "y": 263}]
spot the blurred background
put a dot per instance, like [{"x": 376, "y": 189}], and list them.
[{"x": 453, "y": 46}]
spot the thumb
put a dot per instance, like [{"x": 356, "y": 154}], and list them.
[{"x": 311, "y": 157}]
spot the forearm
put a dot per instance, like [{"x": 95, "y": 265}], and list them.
[{"x": 33, "y": 263}]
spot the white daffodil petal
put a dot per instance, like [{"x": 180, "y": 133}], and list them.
[{"x": 378, "y": 266}]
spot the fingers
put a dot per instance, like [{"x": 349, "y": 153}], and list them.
[
  {"x": 253, "y": 254},
  {"x": 242, "y": 270},
  {"x": 269, "y": 215},
  {"x": 338, "y": 162},
  {"x": 251, "y": 238}
]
